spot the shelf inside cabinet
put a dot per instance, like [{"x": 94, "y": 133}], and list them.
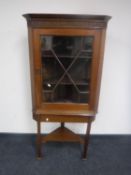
[
  {"x": 87, "y": 54},
  {"x": 66, "y": 82}
]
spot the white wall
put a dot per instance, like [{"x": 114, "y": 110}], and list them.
[{"x": 114, "y": 115}]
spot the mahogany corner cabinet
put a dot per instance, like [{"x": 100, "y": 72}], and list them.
[{"x": 66, "y": 55}]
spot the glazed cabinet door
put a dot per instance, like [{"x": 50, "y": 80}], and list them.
[{"x": 66, "y": 66}]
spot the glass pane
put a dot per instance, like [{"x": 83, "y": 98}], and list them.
[{"x": 66, "y": 68}]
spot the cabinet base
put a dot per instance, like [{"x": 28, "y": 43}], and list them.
[{"x": 62, "y": 134}]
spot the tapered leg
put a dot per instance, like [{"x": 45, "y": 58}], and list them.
[
  {"x": 62, "y": 124},
  {"x": 86, "y": 141},
  {"x": 39, "y": 154}
]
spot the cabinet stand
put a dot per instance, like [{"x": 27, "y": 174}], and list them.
[{"x": 62, "y": 134}]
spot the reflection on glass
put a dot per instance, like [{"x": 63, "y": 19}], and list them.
[{"x": 66, "y": 62}]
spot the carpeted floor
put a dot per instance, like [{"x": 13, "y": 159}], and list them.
[{"x": 108, "y": 155}]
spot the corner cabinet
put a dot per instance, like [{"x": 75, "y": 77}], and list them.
[{"x": 66, "y": 55}]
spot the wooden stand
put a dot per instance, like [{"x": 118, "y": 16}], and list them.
[{"x": 62, "y": 134}]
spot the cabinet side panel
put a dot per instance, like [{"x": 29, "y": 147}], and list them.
[
  {"x": 31, "y": 56},
  {"x": 37, "y": 69},
  {"x": 97, "y": 68},
  {"x": 100, "y": 65}
]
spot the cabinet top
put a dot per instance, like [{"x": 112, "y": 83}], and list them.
[{"x": 66, "y": 20}]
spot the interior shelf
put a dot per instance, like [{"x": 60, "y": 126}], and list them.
[
  {"x": 66, "y": 56},
  {"x": 77, "y": 82}
]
